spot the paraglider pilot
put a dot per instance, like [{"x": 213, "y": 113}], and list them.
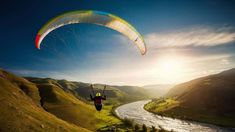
[{"x": 98, "y": 98}]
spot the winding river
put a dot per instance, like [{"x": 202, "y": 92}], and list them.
[{"x": 136, "y": 112}]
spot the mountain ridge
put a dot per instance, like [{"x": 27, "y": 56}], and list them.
[{"x": 207, "y": 99}]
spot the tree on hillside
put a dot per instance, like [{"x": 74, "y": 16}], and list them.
[
  {"x": 144, "y": 128},
  {"x": 137, "y": 128},
  {"x": 153, "y": 129}
]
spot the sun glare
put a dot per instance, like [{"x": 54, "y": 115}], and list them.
[
  {"x": 169, "y": 69},
  {"x": 170, "y": 66}
]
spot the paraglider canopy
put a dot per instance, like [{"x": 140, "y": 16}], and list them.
[{"x": 93, "y": 17}]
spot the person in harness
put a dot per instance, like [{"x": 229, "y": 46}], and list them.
[{"x": 98, "y": 98}]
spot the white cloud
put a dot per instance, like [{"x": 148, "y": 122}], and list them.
[
  {"x": 197, "y": 36},
  {"x": 225, "y": 62}
]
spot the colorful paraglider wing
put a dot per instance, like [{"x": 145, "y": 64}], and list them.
[{"x": 93, "y": 17}]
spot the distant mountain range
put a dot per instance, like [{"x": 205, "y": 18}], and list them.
[
  {"x": 158, "y": 90},
  {"x": 207, "y": 99},
  {"x": 115, "y": 94}
]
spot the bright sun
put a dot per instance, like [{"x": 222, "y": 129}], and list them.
[
  {"x": 170, "y": 66},
  {"x": 169, "y": 69}
]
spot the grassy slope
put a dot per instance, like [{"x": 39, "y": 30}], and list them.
[
  {"x": 206, "y": 99},
  {"x": 21, "y": 110},
  {"x": 116, "y": 95},
  {"x": 66, "y": 106}
]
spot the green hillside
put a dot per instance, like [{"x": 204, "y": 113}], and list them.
[
  {"x": 60, "y": 98},
  {"x": 62, "y": 105},
  {"x": 207, "y": 99},
  {"x": 21, "y": 109},
  {"x": 66, "y": 106},
  {"x": 45, "y": 104}
]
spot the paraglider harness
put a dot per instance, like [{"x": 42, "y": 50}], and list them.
[{"x": 97, "y": 98}]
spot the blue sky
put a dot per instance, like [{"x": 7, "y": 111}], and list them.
[{"x": 185, "y": 40}]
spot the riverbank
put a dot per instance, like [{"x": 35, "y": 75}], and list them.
[
  {"x": 130, "y": 125},
  {"x": 136, "y": 112},
  {"x": 173, "y": 108},
  {"x": 110, "y": 121}
]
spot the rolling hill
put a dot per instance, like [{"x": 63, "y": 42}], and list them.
[
  {"x": 65, "y": 106},
  {"x": 46, "y": 104},
  {"x": 207, "y": 99},
  {"x": 21, "y": 110}
]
